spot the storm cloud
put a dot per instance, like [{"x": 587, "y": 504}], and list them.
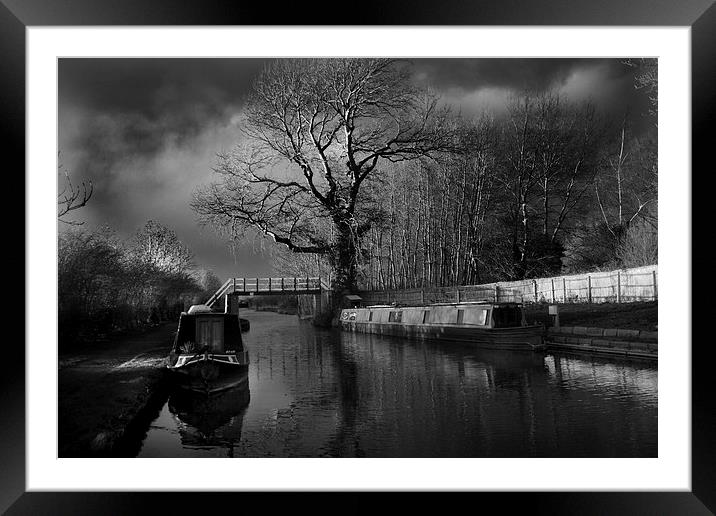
[{"x": 146, "y": 131}]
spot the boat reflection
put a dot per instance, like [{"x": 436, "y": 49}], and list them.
[{"x": 210, "y": 421}]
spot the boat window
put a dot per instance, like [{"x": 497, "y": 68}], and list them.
[
  {"x": 210, "y": 333},
  {"x": 370, "y": 316},
  {"x": 460, "y": 316},
  {"x": 395, "y": 317},
  {"x": 507, "y": 316},
  {"x": 426, "y": 316}
]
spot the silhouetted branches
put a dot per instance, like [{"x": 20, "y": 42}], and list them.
[{"x": 72, "y": 196}]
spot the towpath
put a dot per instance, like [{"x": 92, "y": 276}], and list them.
[{"x": 102, "y": 389}]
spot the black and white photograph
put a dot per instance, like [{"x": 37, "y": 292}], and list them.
[
  {"x": 357, "y": 257},
  {"x": 427, "y": 249},
  {"x": 449, "y": 250}
]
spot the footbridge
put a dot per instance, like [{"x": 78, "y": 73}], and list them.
[{"x": 235, "y": 287}]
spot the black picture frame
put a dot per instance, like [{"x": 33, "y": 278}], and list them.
[{"x": 700, "y": 15}]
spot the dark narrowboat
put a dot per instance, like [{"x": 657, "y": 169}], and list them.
[
  {"x": 489, "y": 325},
  {"x": 208, "y": 353}
]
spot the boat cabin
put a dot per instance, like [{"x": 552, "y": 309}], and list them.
[
  {"x": 201, "y": 329},
  {"x": 352, "y": 301},
  {"x": 486, "y": 315}
]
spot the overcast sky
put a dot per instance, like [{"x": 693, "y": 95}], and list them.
[{"x": 146, "y": 131}]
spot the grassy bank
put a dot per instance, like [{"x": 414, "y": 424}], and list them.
[
  {"x": 630, "y": 316},
  {"x": 108, "y": 393}
]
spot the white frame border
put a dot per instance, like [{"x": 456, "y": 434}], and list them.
[{"x": 671, "y": 471}]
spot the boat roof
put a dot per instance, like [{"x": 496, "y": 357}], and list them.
[
  {"x": 203, "y": 313},
  {"x": 465, "y": 303},
  {"x": 199, "y": 309}
]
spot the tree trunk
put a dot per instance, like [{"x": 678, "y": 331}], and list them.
[{"x": 343, "y": 256}]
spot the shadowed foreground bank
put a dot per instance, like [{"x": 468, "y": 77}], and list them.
[{"x": 106, "y": 392}]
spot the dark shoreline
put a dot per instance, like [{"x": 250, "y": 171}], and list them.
[{"x": 110, "y": 393}]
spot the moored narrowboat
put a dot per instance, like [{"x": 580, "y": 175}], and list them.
[
  {"x": 208, "y": 353},
  {"x": 490, "y": 325}
]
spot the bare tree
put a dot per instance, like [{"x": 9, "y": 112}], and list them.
[
  {"x": 207, "y": 280},
  {"x": 159, "y": 246},
  {"x": 630, "y": 193},
  {"x": 315, "y": 130},
  {"x": 639, "y": 247},
  {"x": 520, "y": 176},
  {"x": 71, "y": 196},
  {"x": 565, "y": 145},
  {"x": 646, "y": 78}
]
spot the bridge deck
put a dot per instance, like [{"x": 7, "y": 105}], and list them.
[{"x": 268, "y": 286}]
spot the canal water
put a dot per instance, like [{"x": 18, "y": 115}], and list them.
[{"x": 326, "y": 393}]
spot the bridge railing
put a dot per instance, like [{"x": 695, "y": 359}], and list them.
[
  {"x": 219, "y": 293},
  {"x": 269, "y": 285}
]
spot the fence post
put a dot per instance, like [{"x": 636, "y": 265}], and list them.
[
  {"x": 457, "y": 293},
  {"x": 564, "y": 290},
  {"x": 589, "y": 288},
  {"x": 653, "y": 275},
  {"x": 422, "y": 296},
  {"x": 619, "y": 287},
  {"x": 534, "y": 282}
]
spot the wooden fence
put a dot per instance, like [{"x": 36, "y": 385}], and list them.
[{"x": 620, "y": 286}]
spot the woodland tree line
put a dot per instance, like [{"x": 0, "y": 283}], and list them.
[
  {"x": 369, "y": 181},
  {"x": 107, "y": 284},
  {"x": 551, "y": 189}
]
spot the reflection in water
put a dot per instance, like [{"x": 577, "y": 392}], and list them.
[
  {"x": 210, "y": 420},
  {"x": 204, "y": 423},
  {"x": 317, "y": 393}
]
